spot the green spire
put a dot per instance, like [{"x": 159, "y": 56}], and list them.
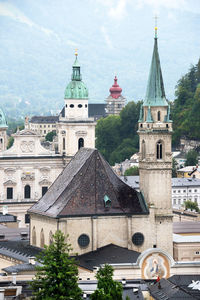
[
  {"x": 76, "y": 89},
  {"x": 3, "y": 123},
  {"x": 155, "y": 93}
]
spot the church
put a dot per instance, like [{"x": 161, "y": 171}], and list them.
[
  {"x": 27, "y": 169},
  {"x": 97, "y": 210}
]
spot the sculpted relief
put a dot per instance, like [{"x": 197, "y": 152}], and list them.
[{"x": 27, "y": 147}]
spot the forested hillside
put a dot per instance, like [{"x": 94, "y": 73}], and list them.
[
  {"x": 117, "y": 137},
  {"x": 186, "y": 106}
]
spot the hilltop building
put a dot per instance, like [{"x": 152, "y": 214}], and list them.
[{"x": 115, "y": 102}]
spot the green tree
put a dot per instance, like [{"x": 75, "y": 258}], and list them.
[
  {"x": 107, "y": 135},
  {"x": 107, "y": 288},
  {"x": 124, "y": 151},
  {"x": 50, "y": 135},
  {"x": 191, "y": 205},
  {"x": 10, "y": 142},
  {"x": 56, "y": 278},
  {"x": 174, "y": 167},
  {"x": 191, "y": 158},
  {"x": 132, "y": 171}
]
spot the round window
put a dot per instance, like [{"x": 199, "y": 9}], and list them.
[
  {"x": 85, "y": 105},
  {"x": 66, "y": 105},
  {"x": 83, "y": 240},
  {"x": 71, "y": 105},
  {"x": 80, "y": 105},
  {"x": 138, "y": 239}
]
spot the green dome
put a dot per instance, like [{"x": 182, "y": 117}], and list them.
[
  {"x": 3, "y": 122},
  {"x": 76, "y": 89}
]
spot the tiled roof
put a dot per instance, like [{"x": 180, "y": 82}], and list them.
[
  {"x": 133, "y": 181},
  {"x": 44, "y": 119},
  {"x": 110, "y": 254},
  {"x": 186, "y": 227},
  {"x": 185, "y": 281},
  {"x": 20, "y": 268},
  {"x": 12, "y": 233},
  {"x": 7, "y": 218},
  {"x": 81, "y": 187},
  {"x": 166, "y": 290},
  {"x": 20, "y": 250}
]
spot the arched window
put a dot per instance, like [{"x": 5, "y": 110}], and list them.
[
  {"x": 80, "y": 143},
  {"x": 143, "y": 149},
  {"x": 27, "y": 192},
  {"x": 42, "y": 238},
  {"x": 63, "y": 143},
  {"x": 158, "y": 115},
  {"x": 50, "y": 237},
  {"x": 159, "y": 150},
  {"x": 33, "y": 236}
]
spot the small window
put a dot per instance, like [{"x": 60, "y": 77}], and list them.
[
  {"x": 83, "y": 240},
  {"x": 174, "y": 191},
  {"x": 197, "y": 252},
  {"x": 167, "y": 126},
  {"x": 190, "y": 191},
  {"x": 184, "y": 191},
  {"x": 9, "y": 193},
  {"x": 195, "y": 191},
  {"x": 179, "y": 201},
  {"x": 138, "y": 239},
  {"x": 66, "y": 105},
  {"x": 48, "y": 125},
  {"x": 1, "y": 141},
  {"x": 107, "y": 201},
  {"x": 159, "y": 150},
  {"x": 44, "y": 126},
  {"x": 44, "y": 190},
  {"x": 179, "y": 191},
  {"x": 42, "y": 238},
  {"x": 143, "y": 150},
  {"x": 44, "y": 131},
  {"x": 158, "y": 115},
  {"x": 33, "y": 236},
  {"x": 85, "y": 105},
  {"x": 71, "y": 105},
  {"x": 141, "y": 125},
  {"x": 40, "y": 126},
  {"x": 119, "y": 105},
  {"x": 195, "y": 200},
  {"x": 27, "y": 192},
  {"x": 80, "y": 105},
  {"x": 174, "y": 201},
  {"x": 27, "y": 218},
  {"x": 80, "y": 143},
  {"x": 63, "y": 143}
]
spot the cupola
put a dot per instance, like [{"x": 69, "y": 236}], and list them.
[{"x": 115, "y": 90}]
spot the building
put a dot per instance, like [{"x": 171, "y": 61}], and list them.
[
  {"x": 74, "y": 128},
  {"x": 115, "y": 102},
  {"x": 91, "y": 204},
  {"x": 41, "y": 124},
  {"x": 183, "y": 189},
  {"x": 26, "y": 171},
  {"x": 189, "y": 171}
]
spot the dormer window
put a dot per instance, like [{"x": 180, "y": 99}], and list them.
[{"x": 107, "y": 201}]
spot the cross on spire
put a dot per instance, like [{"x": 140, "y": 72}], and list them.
[{"x": 156, "y": 28}]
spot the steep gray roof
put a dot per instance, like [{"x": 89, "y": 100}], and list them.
[{"x": 80, "y": 190}]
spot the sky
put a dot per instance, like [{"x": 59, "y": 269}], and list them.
[{"x": 113, "y": 37}]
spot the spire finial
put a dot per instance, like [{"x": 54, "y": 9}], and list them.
[
  {"x": 156, "y": 27},
  {"x": 76, "y": 52}
]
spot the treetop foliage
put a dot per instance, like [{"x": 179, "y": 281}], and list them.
[
  {"x": 191, "y": 158},
  {"x": 107, "y": 288},
  {"x": 186, "y": 106},
  {"x": 57, "y": 277},
  {"x": 116, "y": 136}
]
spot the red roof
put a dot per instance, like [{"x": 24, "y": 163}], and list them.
[{"x": 115, "y": 90}]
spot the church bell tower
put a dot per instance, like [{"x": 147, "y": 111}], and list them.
[{"x": 155, "y": 157}]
